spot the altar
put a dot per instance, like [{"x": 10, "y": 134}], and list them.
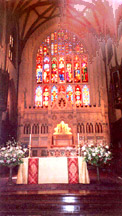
[{"x": 44, "y": 170}]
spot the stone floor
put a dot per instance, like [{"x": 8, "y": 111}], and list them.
[{"x": 94, "y": 199}]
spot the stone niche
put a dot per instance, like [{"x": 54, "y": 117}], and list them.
[{"x": 62, "y": 140}]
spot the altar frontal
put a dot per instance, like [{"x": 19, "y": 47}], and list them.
[{"x": 53, "y": 170}]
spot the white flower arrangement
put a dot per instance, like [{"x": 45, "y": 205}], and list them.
[
  {"x": 11, "y": 154},
  {"x": 97, "y": 155}
]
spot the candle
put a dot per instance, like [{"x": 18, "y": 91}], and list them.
[
  {"x": 78, "y": 139},
  {"x": 78, "y": 146},
  {"x": 30, "y": 146}
]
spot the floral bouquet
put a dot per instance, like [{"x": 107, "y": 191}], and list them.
[
  {"x": 97, "y": 155},
  {"x": 11, "y": 154}
]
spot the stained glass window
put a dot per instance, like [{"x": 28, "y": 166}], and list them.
[
  {"x": 78, "y": 95},
  {"x": 38, "y": 97},
  {"x": 77, "y": 75},
  {"x": 84, "y": 69},
  {"x": 62, "y": 59},
  {"x": 46, "y": 96},
  {"x": 54, "y": 94},
  {"x": 85, "y": 95},
  {"x": 69, "y": 76},
  {"x": 61, "y": 70},
  {"x": 69, "y": 93}
]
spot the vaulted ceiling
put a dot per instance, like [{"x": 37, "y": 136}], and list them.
[{"x": 95, "y": 16}]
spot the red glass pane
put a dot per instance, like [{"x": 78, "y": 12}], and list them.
[
  {"x": 55, "y": 35},
  {"x": 38, "y": 59},
  {"x": 62, "y": 90}
]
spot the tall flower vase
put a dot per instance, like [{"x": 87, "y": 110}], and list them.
[
  {"x": 98, "y": 174},
  {"x": 10, "y": 182}
]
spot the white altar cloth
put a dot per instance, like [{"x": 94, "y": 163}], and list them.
[{"x": 53, "y": 170}]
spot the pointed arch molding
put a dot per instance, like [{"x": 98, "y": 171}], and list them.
[{"x": 31, "y": 15}]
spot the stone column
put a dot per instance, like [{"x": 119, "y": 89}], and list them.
[{"x": 0, "y": 126}]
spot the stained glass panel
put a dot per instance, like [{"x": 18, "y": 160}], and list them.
[
  {"x": 85, "y": 95},
  {"x": 55, "y": 48},
  {"x": 78, "y": 95},
  {"x": 54, "y": 70},
  {"x": 41, "y": 50},
  {"x": 77, "y": 75},
  {"x": 54, "y": 94},
  {"x": 69, "y": 76},
  {"x": 48, "y": 40},
  {"x": 39, "y": 68},
  {"x": 46, "y": 70},
  {"x": 38, "y": 97},
  {"x": 52, "y": 49},
  {"x": 39, "y": 73},
  {"x": 52, "y": 36},
  {"x": 38, "y": 59},
  {"x": 61, "y": 89},
  {"x": 69, "y": 93},
  {"x": 61, "y": 70},
  {"x": 55, "y": 36},
  {"x": 84, "y": 69},
  {"x": 46, "y": 96},
  {"x": 45, "y": 50}
]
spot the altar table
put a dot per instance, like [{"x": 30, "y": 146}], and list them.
[{"x": 45, "y": 170}]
